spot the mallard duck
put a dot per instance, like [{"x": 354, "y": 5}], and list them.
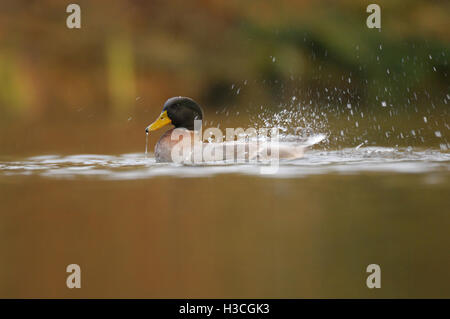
[{"x": 182, "y": 112}]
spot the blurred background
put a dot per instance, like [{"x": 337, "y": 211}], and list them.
[
  {"x": 94, "y": 89},
  {"x": 289, "y": 63}
]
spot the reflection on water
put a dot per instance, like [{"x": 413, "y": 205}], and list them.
[
  {"x": 138, "y": 166},
  {"x": 139, "y": 230}
]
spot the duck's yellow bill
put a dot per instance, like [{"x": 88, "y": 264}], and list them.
[{"x": 162, "y": 120}]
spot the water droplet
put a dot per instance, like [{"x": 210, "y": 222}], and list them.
[{"x": 146, "y": 143}]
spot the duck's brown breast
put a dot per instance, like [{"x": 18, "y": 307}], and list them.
[{"x": 165, "y": 145}]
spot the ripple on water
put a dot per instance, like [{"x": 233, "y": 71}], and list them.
[{"x": 315, "y": 162}]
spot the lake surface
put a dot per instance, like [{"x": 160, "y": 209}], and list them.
[
  {"x": 134, "y": 166},
  {"x": 143, "y": 229}
]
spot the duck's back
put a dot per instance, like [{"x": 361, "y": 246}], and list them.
[{"x": 235, "y": 150}]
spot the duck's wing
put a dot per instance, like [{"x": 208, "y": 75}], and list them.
[
  {"x": 251, "y": 151},
  {"x": 270, "y": 151}
]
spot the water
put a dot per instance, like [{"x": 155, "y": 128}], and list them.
[
  {"x": 373, "y": 192},
  {"x": 133, "y": 166},
  {"x": 139, "y": 228},
  {"x": 146, "y": 143},
  {"x": 144, "y": 229}
]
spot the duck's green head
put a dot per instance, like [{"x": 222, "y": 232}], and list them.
[{"x": 179, "y": 111}]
